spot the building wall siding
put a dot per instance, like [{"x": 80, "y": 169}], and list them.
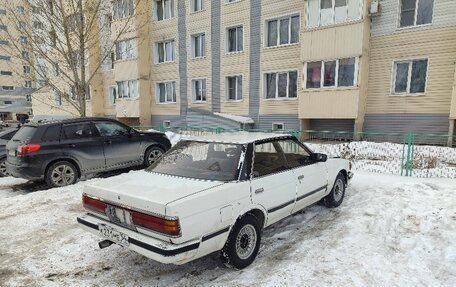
[
  {"x": 404, "y": 123},
  {"x": 439, "y": 45},
  {"x": 182, "y": 50},
  {"x": 387, "y": 22},
  {"x": 255, "y": 52},
  {"x": 215, "y": 53}
]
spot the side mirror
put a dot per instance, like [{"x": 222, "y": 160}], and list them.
[{"x": 319, "y": 157}]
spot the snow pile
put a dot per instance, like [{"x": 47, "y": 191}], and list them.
[
  {"x": 239, "y": 119},
  {"x": 390, "y": 231},
  {"x": 429, "y": 161}
]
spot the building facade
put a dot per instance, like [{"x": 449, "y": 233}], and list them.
[{"x": 16, "y": 76}]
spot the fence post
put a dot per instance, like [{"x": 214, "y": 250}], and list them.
[
  {"x": 162, "y": 129},
  {"x": 408, "y": 156}
]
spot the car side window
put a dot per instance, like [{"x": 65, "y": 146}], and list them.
[
  {"x": 77, "y": 131},
  {"x": 52, "y": 133},
  {"x": 268, "y": 159},
  {"x": 295, "y": 154},
  {"x": 8, "y": 136},
  {"x": 109, "y": 129}
]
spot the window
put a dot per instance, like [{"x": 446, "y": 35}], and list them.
[
  {"x": 166, "y": 124},
  {"x": 26, "y": 69},
  {"x": 57, "y": 98},
  {"x": 234, "y": 88},
  {"x": 196, "y": 5},
  {"x": 268, "y": 159},
  {"x": 416, "y": 12},
  {"x": 8, "y": 88},
  {"x": 3, "y": 27},
  {"x": 278, "y": 126},
  {"x": 5, "y": 58},
  {"x": 281, "y": 85},
  {"x": 53, "y": 36},
  {"x": 28, "y": 84},
  {"x": 231, "y": 1},
  {"x": 283, "y": 31},
  {"x": 36, "y": 9},
  {"x": 2, "y": 12},
  {"x": 28, "y": 98},
  {"x": 410, "y": 77},
  {"x": 166, "y": 92},
  {"x": 7, "y": 135},
  {"x": 127, "y": 89},
  {"x": 4, "y": 42},
  {"x": 335, "y": 73},
  {"x": 52, "y": 133},
  {"x": 8, "y": 102},
  {"x": 25, "y": 55},
  {"x": 112, "y": 95},
  {"x": 24, "y": 40},
  {"x": 198, "y": 45},
  {"x": 165, "y": 51},
  {"x": 235, "y": 39},
  {"x": 22, "y": 25},
  {"x": 109, "y": 129},
  {"x": 122, "y": 9},
  {"x": 295, "y": 154},
  {"x": 6, "y": 73},
  {"x": 199, "y": 90},
  {"x": 328, "y": 12},
  {"x": 77, "y": 131},
  {"x": 74, "y": 22},
  {"x": 37, "y": 25},
  {"x": 56, "y": 69},
  {"x": 126, "y": 49},
  {"x": 164, "y": 9},
  {"x": 20, "y": 9}
]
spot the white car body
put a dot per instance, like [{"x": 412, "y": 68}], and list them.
[{"x": 206, "y": 210}]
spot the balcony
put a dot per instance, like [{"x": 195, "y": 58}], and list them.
[
  {"x": 329, "y": 104},
  {"x": 127, "y": 108}
]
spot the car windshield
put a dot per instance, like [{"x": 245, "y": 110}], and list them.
[{"x": 201, "y": 160}]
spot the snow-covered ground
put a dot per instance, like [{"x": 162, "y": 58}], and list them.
[{"x": 390, "y": 231}]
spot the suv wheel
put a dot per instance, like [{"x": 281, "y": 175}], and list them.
[
  {"x": 61, "y": 173},
  {"x": 243, "y": 243},
  {"x": 152, "y": 154},
  {"x": 3, "y": 167}
]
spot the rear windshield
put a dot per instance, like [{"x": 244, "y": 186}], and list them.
[
  {"x": 24, "y": 134},
  {"x": 200, "y": 160}
]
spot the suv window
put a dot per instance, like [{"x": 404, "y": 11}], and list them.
[
  {"x": 52, "y": 133},
  {"x": 77, "y": 131},
  {"x": 109, "y": 129},
  {"x": 24, "y": 134},
  {"x": 295, "y": 154},
  {"x": 7, "y": 135},
  {"x": 268, "y": 159}
]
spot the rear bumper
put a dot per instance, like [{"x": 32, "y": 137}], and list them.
[
  {"x": 24, "y": 171},
  {"x": 161, "y": 251}
]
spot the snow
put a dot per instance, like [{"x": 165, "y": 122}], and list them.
[
  {"x": 239, "y": 119},
  {"x": 390, "y": 231}
]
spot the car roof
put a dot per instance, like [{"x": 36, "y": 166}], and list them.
[
  {"x": 237, "y": 137},
  {"x": 69, "y": 121}
]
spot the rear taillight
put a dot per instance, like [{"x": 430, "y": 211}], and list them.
[
  {"x": 28, "y": 149},
  {"x": 162, "y": 225},
  {"x": 94, "y": 204}
]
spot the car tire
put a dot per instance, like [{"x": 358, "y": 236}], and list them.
[
  {"x": 3, "y": 167},
  {"x": 61, "y": 173},
  {"x": 152, "y": 154},
  {"x": 243, "y": 243},
  {"x": 337, "y": 194}
]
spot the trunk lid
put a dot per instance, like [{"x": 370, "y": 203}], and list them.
[{"x": 146, "y": 191}]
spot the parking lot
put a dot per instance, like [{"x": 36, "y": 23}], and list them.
[{"x": 390, "y": 231}]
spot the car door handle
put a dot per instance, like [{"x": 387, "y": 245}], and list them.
[
  {"x": 301, "y": 177},
  {"x": 259, "y": 190}
]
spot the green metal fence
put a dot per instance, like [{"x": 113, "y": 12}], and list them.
[{"x": 406, "y": 154}]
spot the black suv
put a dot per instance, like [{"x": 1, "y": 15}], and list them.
[{"x": 61, "y": 152}]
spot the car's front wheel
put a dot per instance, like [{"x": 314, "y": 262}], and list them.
[
  {"x": 243, "y": 243},
  {"x": 152, "y": 155},
  {"x": 3, "y": 167},
  {"x": 337, "y": 194},
  {"x": 61, "y": 173}
]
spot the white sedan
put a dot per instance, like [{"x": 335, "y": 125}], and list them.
[{"x": 210, "y": 194}]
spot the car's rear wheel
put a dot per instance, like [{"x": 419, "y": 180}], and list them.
[
  {"x": 242, "y": 245},
  {"x": 152, "y": 155},
  {"x": 337, "y": 194},
  {"x": 3, "y": 167},
  {"x": 61, "y": 173}
]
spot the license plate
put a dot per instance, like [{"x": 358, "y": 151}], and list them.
[
  {"x": 113, "y": 235},
  {"x": 12, "y": 153}
]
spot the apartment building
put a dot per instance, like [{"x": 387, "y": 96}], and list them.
[
  {"x": 16, "y": 76},
  {"x": 411, "y": 83}
]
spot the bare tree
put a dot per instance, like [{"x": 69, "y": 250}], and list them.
[{"x": 60, "y": 34}]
